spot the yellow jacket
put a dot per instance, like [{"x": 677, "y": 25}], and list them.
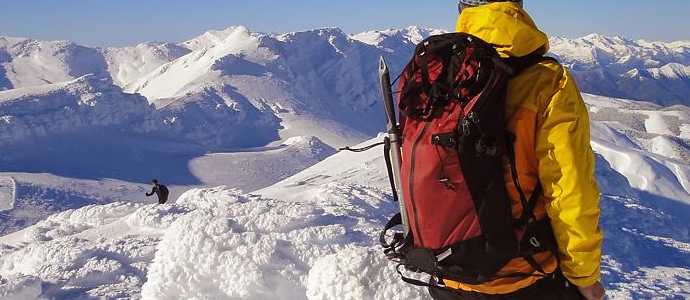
[{"x": 546, "y": 112}]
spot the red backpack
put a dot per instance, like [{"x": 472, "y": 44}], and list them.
[{"x": 456, "y": 211}]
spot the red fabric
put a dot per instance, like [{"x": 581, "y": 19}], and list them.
[{"x": 438, "y": 216}]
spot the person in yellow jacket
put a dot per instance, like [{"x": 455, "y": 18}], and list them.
[{"x": 546, "y": 112}]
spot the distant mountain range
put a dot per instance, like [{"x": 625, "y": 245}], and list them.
[
  {"x": 241, "y": 79},
  {"x": 609, "y": 66},
  {"x": 618, "y": 67}
]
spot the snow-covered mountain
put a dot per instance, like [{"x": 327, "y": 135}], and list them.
[
  {"x": 320, "y": 75},
  {"x": 325, "y": 74},
  {"x": 127, "y": 64},
  {"x": 69, "y": 106},
  {"x": 313, "y": 235},
  {"x": 27, "y": 62},
  {"x": 401, "y": 41},
  {"x": 620, "y": 67},
  {"x": 231, "y": 119}
]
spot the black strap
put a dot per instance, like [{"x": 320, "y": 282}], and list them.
[
  {"x": 389, "y": 166},
  {"x": 527, "y": 205},
  {"x": 518, "y": 65},
  {"x": 426, "y": 82},
  {"x": 394, "y": 221},
  {"x": 538, "y": 238},
  {"x": 535, "y": 265},
  {"x": 528, "y": 208},
  {"x": 438, "y": 90},
  {"x": 396, "y": 249},
  {"x": 438, "y": 283},
  {"x": 363, "y": 148},
  {"x": 510, "y": 152},
  {"x": 522, "y": 63}
]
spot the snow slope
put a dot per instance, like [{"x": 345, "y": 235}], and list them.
[
  {"x": 312, "y": 236},
  {"x": 127, "y": 64},
  {"x": 72, "y": 172},
  {"x": 251, "y": 169}
]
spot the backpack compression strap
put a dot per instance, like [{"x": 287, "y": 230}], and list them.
[{"x": 519, "y": 65}]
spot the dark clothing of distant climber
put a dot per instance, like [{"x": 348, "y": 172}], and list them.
[{"x": 160, "y": 190}]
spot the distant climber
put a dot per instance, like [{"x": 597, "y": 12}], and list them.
[{"x": 160, "y": 190}]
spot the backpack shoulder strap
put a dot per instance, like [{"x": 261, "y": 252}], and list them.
[
  {"x": 522, "y": 63},
  {"x": 519, "y": 65}
]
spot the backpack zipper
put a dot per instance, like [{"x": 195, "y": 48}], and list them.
[{"x": 412, "y": 164}]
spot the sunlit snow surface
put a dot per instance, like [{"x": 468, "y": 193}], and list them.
[
  {"x": 311, "y": 236},
  {"x": 212, "y": 244}
]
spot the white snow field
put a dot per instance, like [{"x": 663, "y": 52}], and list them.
[
  {"x": 312, "y": 236},
  {"x": 243, "y": 128}
]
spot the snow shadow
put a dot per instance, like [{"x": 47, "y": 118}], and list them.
[
  {"x": 5, "y": 83},
  {"x": 105, "y": 153},
  {"x": 36, "y": 203},
  {"x": 641, "y": 230}
]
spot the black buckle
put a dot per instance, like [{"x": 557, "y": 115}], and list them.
[{"x": 448, "y": 139}]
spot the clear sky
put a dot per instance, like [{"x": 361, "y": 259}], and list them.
[{"x": 128, "y": 22}]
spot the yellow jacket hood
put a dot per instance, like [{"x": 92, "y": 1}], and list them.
[{"x": 505, "y": 25}]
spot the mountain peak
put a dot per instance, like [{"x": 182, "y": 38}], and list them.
[
  {"x": 609, "y": 40},
  {"x": 391, "y": 38},
  {"x": 311, "y": 33},
  {"x": 212, "y": 38}
]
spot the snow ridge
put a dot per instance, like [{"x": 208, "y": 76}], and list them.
[{"x": 85, "y": 102}]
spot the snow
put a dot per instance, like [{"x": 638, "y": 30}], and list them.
[
  {"x": 671, "y": 71},
  {"x": 211, "y": 38},
  {"x": 7, "y": 192},
  {"x": 34, "y": 63},
  {"x": 243, "y": 169},
  {"x": 212, "y": 243},
  {"x": 127, "y": 64},
  {"x": 185, "y": 70},
  {"x": 312, "y": 236},
  {"x": 85, "y": 102},
  {"x": 390, "y": 39},
  {"x": 21, "y": 288},
  {"x": 643, "y": 144},
  {"x": 357, "y": 273},
  {"x": 243, "y": 128}
]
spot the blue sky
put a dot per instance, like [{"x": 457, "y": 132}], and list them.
[{"x": 128, "y": 22}]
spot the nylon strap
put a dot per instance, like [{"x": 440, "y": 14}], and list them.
[
  {"x": 510, "y": 151},
  {"x": 389, "y": 166}
]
